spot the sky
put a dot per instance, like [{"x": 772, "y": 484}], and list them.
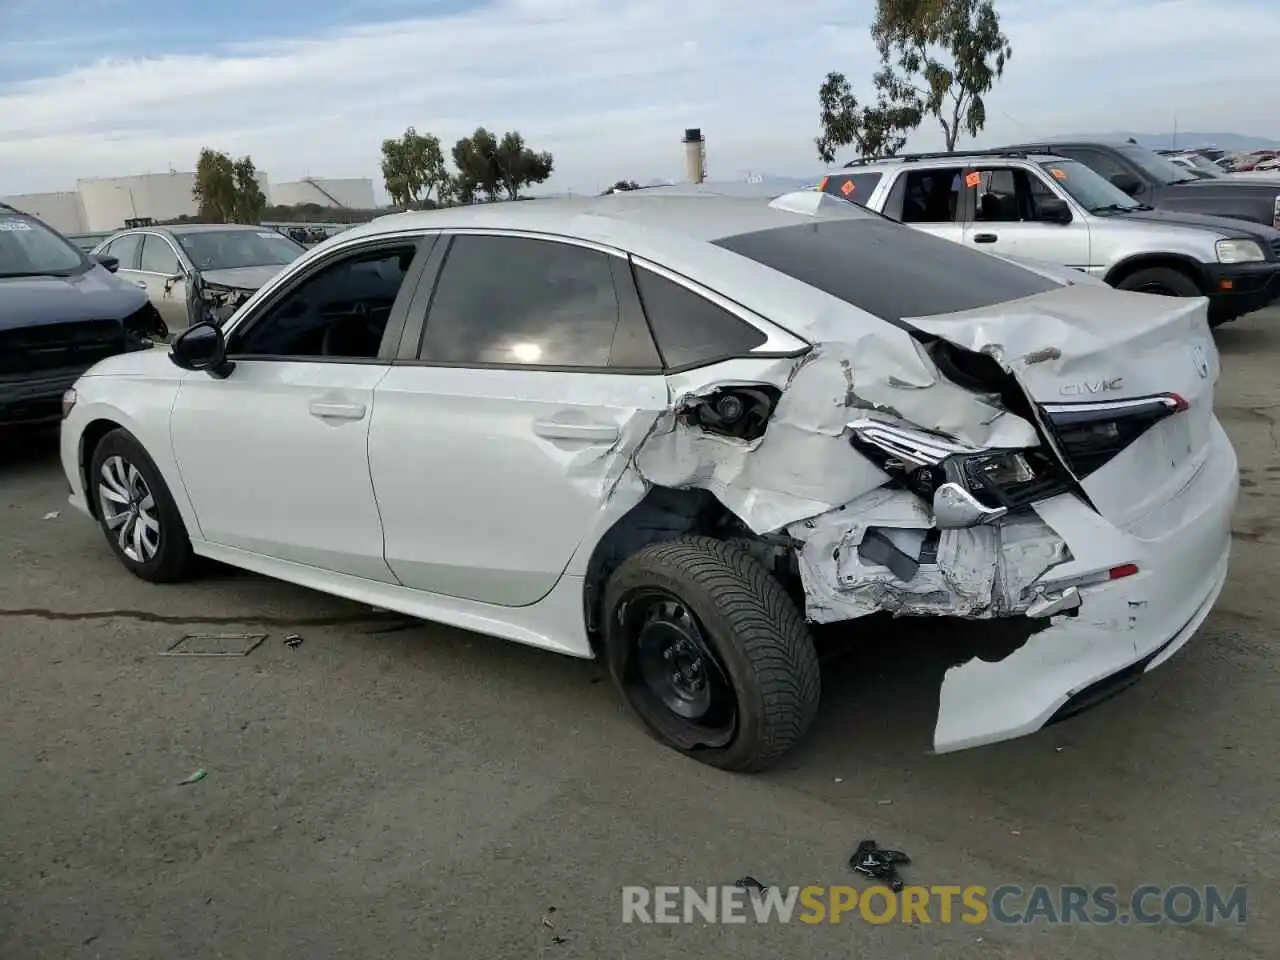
[{"x": 117, "y": 87}]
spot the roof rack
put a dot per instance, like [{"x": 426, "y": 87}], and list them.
[{"x": 941, "y": 155}]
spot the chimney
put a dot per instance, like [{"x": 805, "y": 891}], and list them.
[{"x": 695, "y": 155}]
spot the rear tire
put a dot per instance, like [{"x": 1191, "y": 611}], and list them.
[
  {"x": 1161, "y": 281},
  {"x": 698, "y": 609},
  {"x": 136, "y": 511}
]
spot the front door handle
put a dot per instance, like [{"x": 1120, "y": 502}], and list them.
[
  {"x": 336, "y": 411},
  {"x": 985, "y": 238},
  {"x": 591, "y": 432}
]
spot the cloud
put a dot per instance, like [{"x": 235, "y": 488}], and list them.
[{"x": 607, "y": 85}]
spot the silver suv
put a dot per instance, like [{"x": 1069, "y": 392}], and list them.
[{"x": 1044, "y": 207}]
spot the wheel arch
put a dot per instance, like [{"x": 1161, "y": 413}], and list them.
[{"x": 1184, "y": 264}]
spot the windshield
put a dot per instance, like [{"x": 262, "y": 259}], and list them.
[
  {"x": 1091, "y": 190},
  {"x": 229, "y": 249},
  {"x": 1155, "y": 166},
  {"x": 30, "y": 249}
]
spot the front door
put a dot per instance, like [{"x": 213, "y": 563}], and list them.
[
  {"x": 1005, "y": 219},
  {"x": 275, "y": 456},
  {"x": 165, "y": 280},
  {"x": 495, "y": 450}
]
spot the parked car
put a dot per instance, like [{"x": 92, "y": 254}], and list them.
[
  {"x": 60, "y": 312},
  {"x": 1155, "y": 181},
  {"x": 194, "y": 272},
  {"x": 88, "y": 242},
  {"x": 1051, "y": 208},
  {"x": 679, "y": 428}
]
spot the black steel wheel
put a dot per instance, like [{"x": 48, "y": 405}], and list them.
[
  {"x": 710, "y": 652},
  {"x": 1161, "y": 281}
]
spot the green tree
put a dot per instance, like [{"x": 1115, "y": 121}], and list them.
[
  {"x": 227, "y": 190},
  {"x": 938, "y": 58},
  {"x": 493, "y": 167},
  {"x": 413, "y": 167}
]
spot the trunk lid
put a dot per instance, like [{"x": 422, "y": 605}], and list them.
[{"x": 1124, "y": 381}]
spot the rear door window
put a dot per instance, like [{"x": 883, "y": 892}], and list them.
[
  {"x": 933, "y": 196},
  {"x": 888, "y": 270},
  {"x": 691, "y": 330},
  {"x": 158, "y": 257},
  {"x": 125, "y": 249}
]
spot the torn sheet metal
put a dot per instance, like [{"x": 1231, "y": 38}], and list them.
[
  {"x": 804, "y": 465},
  {"x": 980, "y": 572}
]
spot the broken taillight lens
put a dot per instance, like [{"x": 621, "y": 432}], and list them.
[{"x": 1092, "y": 433}]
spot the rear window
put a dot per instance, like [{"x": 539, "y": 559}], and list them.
[
  {"x": 851, "y": 186},
  {"x": 886, "y": 269}
]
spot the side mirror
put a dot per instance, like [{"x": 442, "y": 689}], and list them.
[
  {"x": 1127, "y": 182},
  {"x": 1053, "y": 210},
  {"x": 202, "y": 347},
  {"x": 108, "y": 263}
]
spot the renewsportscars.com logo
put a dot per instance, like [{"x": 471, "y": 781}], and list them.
[{"x": 1009, "y": 904}]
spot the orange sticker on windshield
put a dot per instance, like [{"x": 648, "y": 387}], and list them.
[
  {"x": 1058, "y": 174},
  {"x": 847, "y": 187},
  {"x": 973, "y": 179}
]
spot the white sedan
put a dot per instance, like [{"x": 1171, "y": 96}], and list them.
[{"x": 672, "y": 430}]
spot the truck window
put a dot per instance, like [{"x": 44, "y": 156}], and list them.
[
  {"x": 856, "y": 187},
  {"x": 933, "y": 196}
]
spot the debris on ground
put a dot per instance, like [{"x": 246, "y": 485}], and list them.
[
  {"x": 751, "y": 883},
  {"x": 559, "y": 939},
  {"x": 883, "y": 803},
  {"x": 51, "y": 515},
  {"x": 548, "y": 923},
  {"x": 879, "y": 864},
  {"x": 194, "y": 778},
  {"x": 293, "y": 641},
  {"x": 214, "y": 645}
]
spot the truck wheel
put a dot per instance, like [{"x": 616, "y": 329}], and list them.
[
  {"x": 711, "y": 653},
  {"x": 137, "y": 512},
  {"x": 1162, "y": 281}
]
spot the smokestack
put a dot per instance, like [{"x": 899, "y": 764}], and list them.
[{"x": 695, "y": 155}]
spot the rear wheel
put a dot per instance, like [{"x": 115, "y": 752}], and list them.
[
  {"x": 137, "y": 512},
  {"x": 1162, "y": 281},
  {"x": 711, "y": 653}
]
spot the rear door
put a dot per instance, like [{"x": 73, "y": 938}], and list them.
[
  {"x": 127, "y": 248},
  {"x": 1003, "y": 203},
  {"x": 517, "y": 404},
  {"x": 161, "y": 271}
]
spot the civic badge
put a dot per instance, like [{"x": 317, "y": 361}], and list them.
[{"x": 1199, "y": 358}]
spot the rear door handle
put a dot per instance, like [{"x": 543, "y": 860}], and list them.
[
  {"x": 985, "y": 238},
  {"x": 140, "y": 283},
  {"x": 560, "y": 430},
  {"x": 336, "y": 411}
]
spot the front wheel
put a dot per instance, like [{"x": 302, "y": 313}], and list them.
[
  {"x": 137, "y": 512},
  {"x": 1162, "y": 281},
  {"x": 711, "y": 653}
]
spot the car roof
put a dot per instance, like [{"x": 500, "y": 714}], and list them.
[{"x": 628, "y": 219}]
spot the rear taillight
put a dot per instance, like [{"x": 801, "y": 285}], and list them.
[
  {"x": 1092, "y": 433},
  {"x": 1275, "y": 213}
]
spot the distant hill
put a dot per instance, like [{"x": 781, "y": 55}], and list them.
[{"x": 1184, "y": 138}]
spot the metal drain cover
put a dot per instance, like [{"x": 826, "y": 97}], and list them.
[{"x": 214, "y": 645}]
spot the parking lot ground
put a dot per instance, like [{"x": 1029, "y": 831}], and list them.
[{"x": 398, "y": 789}]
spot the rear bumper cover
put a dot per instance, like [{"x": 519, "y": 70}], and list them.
[
  {"x": 1239, "y": 288},
  {"x": 1123, "y": 629}
]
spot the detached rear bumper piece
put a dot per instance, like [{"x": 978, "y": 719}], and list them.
[
  {"x": 1240, "y": 288},
  {"x": 1122, "y": 628}
]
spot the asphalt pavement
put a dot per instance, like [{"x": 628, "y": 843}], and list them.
[{"x": 388, "y": 788}]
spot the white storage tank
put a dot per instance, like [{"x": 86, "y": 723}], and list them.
[
  {"x": 351, "y": 193},
  {"x": 62, "y": 211},
  {"x": 110, "y": 201}
]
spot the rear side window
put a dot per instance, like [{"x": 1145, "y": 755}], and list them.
[
  {"x": 512, "y": 300},
  {"x": 691, "y": 330},
  {"x": 125, "y": 249},
  {"x": 933, "y": 196},
  {"x": 856, "y": 187},
  {"x": 886, "y": 269}
]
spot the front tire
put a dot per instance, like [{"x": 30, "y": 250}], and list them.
[
  {"x": 711, "y": 653},
  {"x": 1161, "y": 281},
  {"x": 136, "y": 511}
]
